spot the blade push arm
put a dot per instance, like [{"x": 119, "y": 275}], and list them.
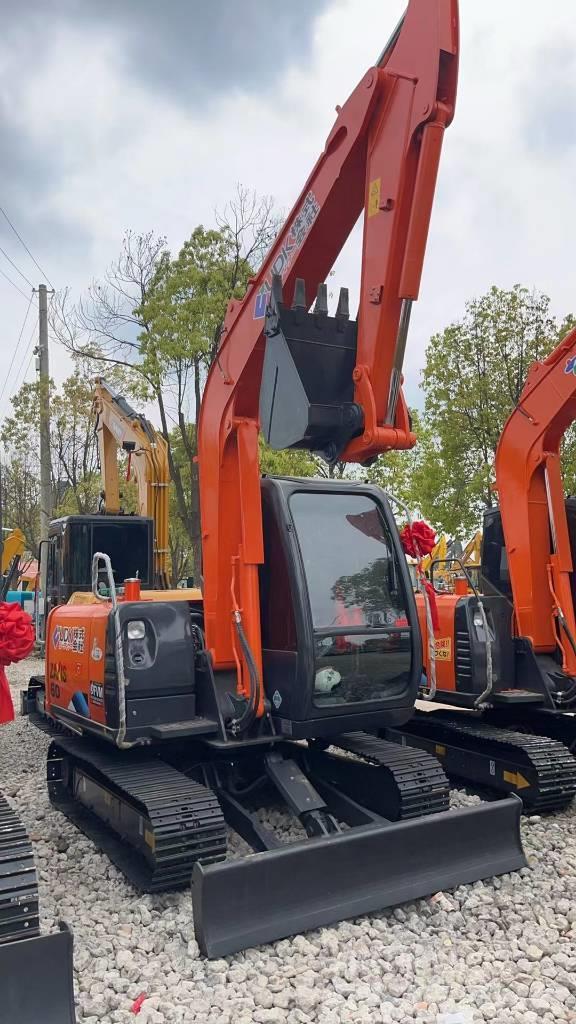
[
  {"x": 532, "y": 504},
  {"x": 119, "y": 426},
  {"x": 380, "y": 159}
]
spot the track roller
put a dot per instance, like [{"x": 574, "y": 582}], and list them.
[{"x": 151, "y": 820}]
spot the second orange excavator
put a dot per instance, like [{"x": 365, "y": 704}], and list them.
[{"x": 506, "y": 651}]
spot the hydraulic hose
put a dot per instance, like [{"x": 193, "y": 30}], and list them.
[
  {"x": 241, "y": 724},
  {"x": 489, "y": 667}
]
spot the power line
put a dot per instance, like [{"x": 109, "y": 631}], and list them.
[
  {"x": 9, "y": 279},
  {"x": 22, "y": 242},
  {"x": 18, "y": 377},
  {"x": 15, "y": 350},
  {"x": 28, "y": 367},
  {"x": 17, "y": 268}
]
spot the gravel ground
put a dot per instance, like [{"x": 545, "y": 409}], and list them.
[{"x": 503, "y": 950}]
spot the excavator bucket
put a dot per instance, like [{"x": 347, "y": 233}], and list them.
[
  {"x": 307, "y": 390},
  {"x": 36, "y": 980},
  {"x": 304, "y": 885}
]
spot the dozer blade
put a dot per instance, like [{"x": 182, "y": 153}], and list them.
[
  {"x": 36, "y": 980},
  {"x": 269, "y": 896}
]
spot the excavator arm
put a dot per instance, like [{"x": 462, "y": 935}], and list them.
[
  {"x": 532, "y": 505},
  {"x": 380, "y": 163},
  {"x": 14, "y": 546},
  {"x": 119, "y": 426}
]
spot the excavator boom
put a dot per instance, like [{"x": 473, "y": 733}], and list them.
[
  {"x": 532, "y": 505},
  {"x": 119, "y": 426},
  {"x": 380, "y": 161}
]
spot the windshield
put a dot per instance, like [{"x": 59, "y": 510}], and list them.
[
  {"x": 362, "y": 638},
  {"x": 348, "y": 560}
]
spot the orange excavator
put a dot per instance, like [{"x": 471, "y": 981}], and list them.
[
  {"x": 176, "y": 719},
  {"x": 506, "y": 652}
]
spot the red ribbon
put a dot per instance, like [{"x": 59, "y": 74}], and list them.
[
  {"x": 137, "y": 1004},
  {"x": 418, "y": 539},
  {"x": 16, "y": 642}
]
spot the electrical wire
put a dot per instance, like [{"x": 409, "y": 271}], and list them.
[
  {"x": 15, "y": 352},
  {"x": 10, "y": 281},
  {"x": 28, "y": 367},
  {"x": 23, "y": 243},
  {"x": 27, "y": 353},
  {"x": 16, "y": 267}
]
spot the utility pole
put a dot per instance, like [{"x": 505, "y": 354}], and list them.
[
  {"x": 45, "y": 462},
  {"x": 44, "y": 394}
]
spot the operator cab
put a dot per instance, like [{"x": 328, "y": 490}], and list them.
[
  {"x": 73, "y": 540},
  {"x": 340, "y": 634}
]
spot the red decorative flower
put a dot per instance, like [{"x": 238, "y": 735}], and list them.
[
  {"x": 417, "y": 538},
  {"x": 16, "y": 633},
  {"x": 16, "y": 642}
]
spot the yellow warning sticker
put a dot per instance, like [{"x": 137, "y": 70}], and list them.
[
  {"x": 439, "y": 749},
  {"x": 443, "y": 648},
  {"x": 150, "y": 839},
  {"x": 515, "y": 779},
  {"x": 374, "y": 197}
]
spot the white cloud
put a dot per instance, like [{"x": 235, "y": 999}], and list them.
[{"x": 128, "y": 158}]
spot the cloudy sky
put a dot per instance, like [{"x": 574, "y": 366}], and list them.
[{"x": 144, "y": 115}]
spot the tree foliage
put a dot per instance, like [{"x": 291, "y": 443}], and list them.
[
  {"x": 474, "y": 374},
  {"x": 74, "y": 464},
  {"x": 399, "y": 472},
  {"x": 473, "y": 377},
  {"x": 160, "y": 317}
]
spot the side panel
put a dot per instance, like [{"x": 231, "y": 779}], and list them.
[
  {"x": 444, "y": 640},
  {"x": 159, "y": 664},
  {"x": 75, "y": 660}
]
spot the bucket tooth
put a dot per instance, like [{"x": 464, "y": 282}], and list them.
[
  {"x": 343, "y": 308},
  {"x": 299, "y": 294},
  {"x": 277, "y": 288},
  {"x": 321, "y": 304}
]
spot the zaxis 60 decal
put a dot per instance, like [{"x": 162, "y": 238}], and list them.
[{"x": 297, "y": 232}]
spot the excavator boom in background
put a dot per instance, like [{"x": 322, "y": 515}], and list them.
[
  {"x": 306, "y": 627},
  {"x": 119, "y": 426},
  {"x": 13, "y": 547},
  {"x": 137, "y": 544}
]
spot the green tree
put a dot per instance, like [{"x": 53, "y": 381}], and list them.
[
  {"x": 286, "y": 463},
  {"x": 474, "y": 374},
  {"x": 75, "y": 472},
  {"x": 399, "y": 472},
  {"x": 161, "y": 317}
]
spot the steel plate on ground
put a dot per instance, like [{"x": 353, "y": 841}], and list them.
[{"x": 36, "y": 980}]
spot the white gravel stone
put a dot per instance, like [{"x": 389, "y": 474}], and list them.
[{"x": 503, "y": 949}]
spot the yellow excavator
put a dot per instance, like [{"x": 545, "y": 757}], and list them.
[
  {"x": 13, "y": 548},
  {"x": 439, "y": 553},
  {"x": 449, "y": 559},
  {"x": 120, "y": 427}
]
